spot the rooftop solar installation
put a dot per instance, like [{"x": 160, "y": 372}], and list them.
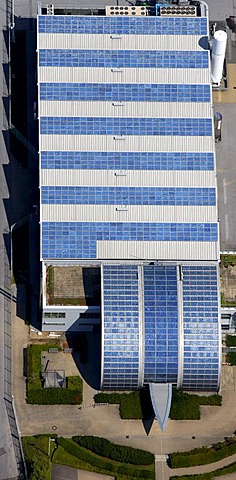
[
  {"x": 127, "y": 160},
  {"x": 127, "y": 195},
  {"x": 201, "y": 329},
  {"x": 122, "y": 25},
  {"x": 77, "y": 240},
  {"x": 161, "y": 324},
  {"x": 121, "y": 326},
  {"x": 197, "y": 363},
  {"x": 125, "y": 92},
  {"x": 123, "y": 58},
  {"x": 125, "y": 126}
]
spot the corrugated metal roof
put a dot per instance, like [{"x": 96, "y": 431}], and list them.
[
  {"x": 101, "y": 55},
  {"x": 131, "y": 42}
]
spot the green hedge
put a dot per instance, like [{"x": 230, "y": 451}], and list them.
[
  {"x": 204, "y": 455},
  {"x": 36, "y": 394},
  {"x": 230, "y": 341},
  {"x": 36, "y": 457},
  {"x": 130, "y": 404},
  {"x": 54, "y": 396},
  {"x": 119, "y": 453},
  {"x": 208, "y": 476},
  {"x": 187, "y": 407},
  {"x": 101, "y": 464},
  {"x": 232, "y": 358}
]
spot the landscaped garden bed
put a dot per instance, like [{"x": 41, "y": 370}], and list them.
[
  {"x": 204, "y": 455},
  {"x": 183, "y": 407},
  {"x": 40, "y": 453},
  {"x": 36, "y": 394}
]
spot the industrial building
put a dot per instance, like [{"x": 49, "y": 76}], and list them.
[{"x": 128, "y": 193}]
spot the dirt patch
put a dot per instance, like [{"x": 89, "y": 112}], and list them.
[
  {"x": 74, "y": 285},
  {"x": 228, "y": 284}
]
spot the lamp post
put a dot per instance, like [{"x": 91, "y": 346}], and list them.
[{"x": 49, "y": 443}]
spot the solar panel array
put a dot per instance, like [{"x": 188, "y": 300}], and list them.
[
  {"x": 123, "y": 58},
  {"x": 122, "y": 25},
  {"x": 71, "y": 240},
  {"x": 126, "y": 126},
  {"x": 125, "y": 92},
  {"x": 161, "y": 303},
  {"x": 82, "y": 243},
  {"x": 127, "y": 160},
  {"x": 201, "y": 328},
  {"x": 121, "y": 332},
  {"x": 161, "y": 324},
  {"x": 127, "y": 196}
]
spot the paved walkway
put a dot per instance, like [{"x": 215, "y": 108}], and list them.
[
  {"x": 104, "y": 420},
  {"x": 203, "y": 468}
]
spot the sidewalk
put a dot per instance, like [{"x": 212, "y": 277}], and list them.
[
  {"x": 104, "y": 420},
  {"x": 203, "y": 468}
]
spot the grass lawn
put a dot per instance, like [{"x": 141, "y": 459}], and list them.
[
  {"x": 204, "y": 455},
  {"x": 68, "y": 453},
  {"x": 76, "y": 456},
  {"x": 36, "y": 394},
  {"x": 209, "y": 476},
  {"x": 227, "y": 260},
  {"x": 37, "y": 460}
]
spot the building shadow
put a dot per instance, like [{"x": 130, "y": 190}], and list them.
[{"x": 86, "y": 352}]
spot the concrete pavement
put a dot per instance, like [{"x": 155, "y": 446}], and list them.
[{"x": 104, "y": 420}]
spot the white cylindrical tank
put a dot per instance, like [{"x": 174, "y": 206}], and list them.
[{"x": 218, "y": 56}]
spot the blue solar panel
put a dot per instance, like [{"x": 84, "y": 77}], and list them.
[
  {"x": 78, "y": 239},
  {"x": 125, "y": 92},
  {"x": 123, "y": 58},
  {"x": 201, "y": 332},
  {"x": 161, "y": 324},
  {"x": 128, "y": 160},
  {"x": 127, "y": 195},
  {"x": 125, "y": 126},
  {"x": 120, "y": 25},
  {"x": 120, "y": 326}
]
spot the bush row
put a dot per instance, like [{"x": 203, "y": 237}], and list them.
[
  {"x": 37, "y": 461},
  {"x": 230, "y": 341},
  {"x": 187, "y": 407},
  {"x": 54, "y": 396},
  {"x": 130, "y": 405},
  {"x": 101, "y": 464},
  {"x": 119, "y": 453},
  {"x": 204, "y": 455}
]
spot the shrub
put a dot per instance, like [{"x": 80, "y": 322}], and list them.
[
  {"x": 130, "y": 405},
  {"x": 72, "y": 395},
  {"x": 187, "y": 407},
  {"x": 100, "y": 463},
  {"x": 204, "y": 455},
  {"x": 231, "y": 341},
  {"x": 119, "y": 453},
  {"x": 232, "y": 358},
  {"x": 54, "y": 396},
  {"x": 36, "y": 457}
]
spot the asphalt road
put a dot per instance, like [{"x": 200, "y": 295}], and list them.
[{"x": 226, "y": 173}]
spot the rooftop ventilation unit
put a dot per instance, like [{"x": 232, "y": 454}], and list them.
[
  {"x": 50, "y": 9},
  {"x": 178, "y": 11},
  {"x": 134, "y": 11}
]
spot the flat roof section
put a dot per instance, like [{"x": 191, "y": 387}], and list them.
[{"x": 73, "y": 285}]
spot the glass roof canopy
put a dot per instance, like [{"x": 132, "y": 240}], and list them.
[{"x": 160, "y": 325}]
